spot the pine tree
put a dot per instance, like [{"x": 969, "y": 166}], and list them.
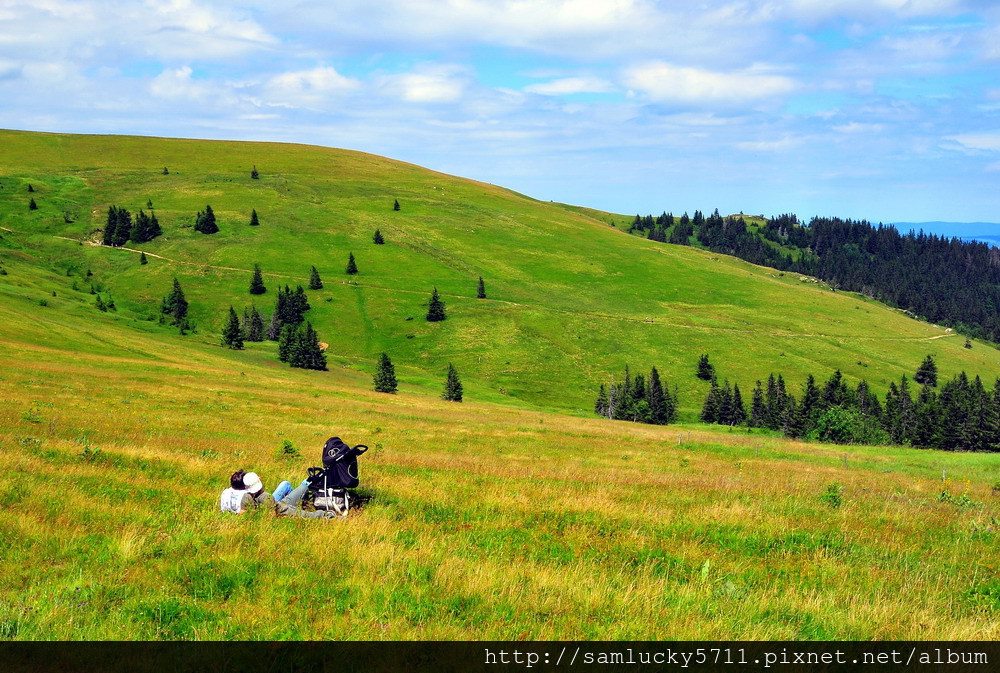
[
  {"x": 254, "y": 174},
  {"x": 656, "y": 399},
  {"x": 305, "y": 351},
  {"x": 205, "y": 221},
  {"x": 352, "y": 268},
  {"x": 257, "y": 281},
  {"x": 149, "y": 203},
  {"x": 165, "y": 171},
  {"x": 99, "y": 304},
  {"x": 710, "y": 409},
  {"x": 285, "y": 339},
  {"x": 481, "y": 289},
  {"x": 274, "y": 326},
  {"x": 140, "y": 232},
  {"x": 232, "y": 335},
  {"x": 706, "y": 372},
  {"x": 377, "y": 238},
  {"x": 175, "y": 305},
  {"x": 254, "y": 222},
  {"x": 315, "y": 283},
  {"x": 395, "y": 204},
  {"x": 435, "y": 309},
  {"x": 812, "y": 404},
  {"x": 452, "y": 386},
  {"x": 385, "y": 376},
  {"x": 254, "y": 326},
  {"x": 110, "y": 224},
  {"x": 142, "y": 258},
  {"x": 927, "y": 372},
  {"x": 32, "y": 205},
  {"x": 154, "y": 227},
  {"x": 30, "y": 188},
  {"x": 601, "y": 404},
  {"x": 298, "y": 304},
  {"x": 758, "y": 410},
  {"x": 738, "y": 411},
  {"x": 123, "y": 228}
]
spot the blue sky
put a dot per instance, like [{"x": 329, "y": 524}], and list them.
[{"x": 887, "y": 110}]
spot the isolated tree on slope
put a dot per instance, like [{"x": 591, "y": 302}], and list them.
[
  {"x": 377, "y": 238},
  {"x": 385, "y": 376},
  {"x": 254, "y": 221},
  {"x": 352, "y": 267},
  {"x": 452, "y": 386},
  {"x": 706, "y": 371},
  {"x": 257, "y": 281},
  {"x": 175, "y": 305},
  {"x": 435, "y": 309},
  {"x": 481, "y": 289},
  {"x": 315, "y": 283},
  {"x": 232, "y": 335},
  {"x": 205, "y": 221}
]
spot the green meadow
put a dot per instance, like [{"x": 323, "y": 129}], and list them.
[{"x": 513, "y": 515}]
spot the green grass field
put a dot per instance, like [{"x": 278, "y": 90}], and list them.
[{"x": 513, "y": 515}]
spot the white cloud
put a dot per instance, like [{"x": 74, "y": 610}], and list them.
[
  {"x": 428, "y": 83},
  {"x": 666, "y": 82},
  {"x": 857, "y": 127},
  {"x": 989, "y": 141},
  {"x": 570, "y": 85},
  {"x": 307, "y": 88},
  {"x": 781, "y": 145}
]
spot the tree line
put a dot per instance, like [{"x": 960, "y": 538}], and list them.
[
  {"x": 939, "y": 279},
  {"x": 963, "y": 415}
]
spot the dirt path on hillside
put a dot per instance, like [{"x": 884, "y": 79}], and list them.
[{"x": 583, "y": 314}]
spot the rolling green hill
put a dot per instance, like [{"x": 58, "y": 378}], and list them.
[
  {"x": 490, "y": 519},
  {"x": 571, "y": 299}
]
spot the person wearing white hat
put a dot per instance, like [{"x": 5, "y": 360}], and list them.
[{"x": 247, "y": 490}]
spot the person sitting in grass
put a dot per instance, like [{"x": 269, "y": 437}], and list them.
[{"x": 246, "y": 490}]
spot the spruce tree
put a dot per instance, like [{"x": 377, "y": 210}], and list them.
[
  {"x": 435, "y": 309},
  {"x": 254, "y": 222},
  {"x": 254, "y": 174},
  {"x": 32, "y": 205},
  {"x": 142, "y": 258},
  {"x": 656, "y": 399},
  {"x": 257, "y": 281},
  {"x": 352, "y": 268},
  {"x": 738, "y": 412},
  {"x": 706, "y": 372},
  {"x": 205, "y": 221},
  {"x": 315, "y": 283},
  {"x": 99, "y": 304},
  {"x": 154, "y": 227},
  {"x": 274, "y": 326},
  {"x": 385, "y": 376},
  {"x": 232, "y": 336},
  {"x": 927, "y": 372},
  {"x": 254, "y": 327},
  {"x": 304, "y": 351},
  {"x": 601, "y": 404},
  {"x": 395, "y": 204},
  {"x": 481, "y": 289},
  {"x": 285, "y": 345},
  {"x": 30, "y": 188},
  {"x": 758, "y": 410},
  {"x": 165, "y": 171},
  {"x": 175, "y": 305},
  {"x": 110, "y": 225},
  {"x": 298, "y": 304},
  {"x": 377, "y": 238},
  {"x": 710, "y": 409},
  {"x": 452, "y": 386},
  {"x": 149, "y": 203}
]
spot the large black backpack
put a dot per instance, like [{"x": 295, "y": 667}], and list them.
[{"x": 328, "y": 485}]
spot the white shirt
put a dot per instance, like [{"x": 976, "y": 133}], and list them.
[{"x": 232, "y": 500}]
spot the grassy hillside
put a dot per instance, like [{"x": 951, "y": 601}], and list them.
[
  {"x": 571, "y": 299},
  {"x": 485, "y": 521},
  {"x": 494, "y": 518}
]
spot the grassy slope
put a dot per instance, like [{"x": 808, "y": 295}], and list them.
[
  {"x": 571, "y": 299},
  {"x": 487, "y": 520}
]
